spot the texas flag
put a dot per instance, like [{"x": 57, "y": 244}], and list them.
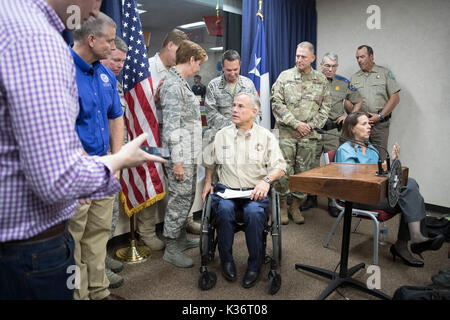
[{"x": 259, "y": 73}]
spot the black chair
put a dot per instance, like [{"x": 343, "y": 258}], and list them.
[{"x": 208, "y": 243}]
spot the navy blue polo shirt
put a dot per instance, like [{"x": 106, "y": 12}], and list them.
[{"x": 99, "y": 101}]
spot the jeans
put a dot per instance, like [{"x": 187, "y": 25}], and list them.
[
  {"x": 254, "y": 218},
  {"x": 38, "y": 270}
]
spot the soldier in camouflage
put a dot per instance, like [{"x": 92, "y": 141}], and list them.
[
  {"x": 301, "y": 102},
  {"x": 220, "y": 95},
  {"x": 343, "y": 95},
  {"x": 182, "y": 132}
]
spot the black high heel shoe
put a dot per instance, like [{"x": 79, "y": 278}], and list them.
[
  {"x": 411, "y": 263},
  {"x": 430, "y": 244}
]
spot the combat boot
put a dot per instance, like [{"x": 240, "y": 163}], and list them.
[
  {"x": 192, "y": 226},
  {"x": 283, "y": 211},
  {"x": 115, "y": 281},
  {"x": 173, "y": 255},
  {"x": 114, "y": 265},
  {"x": 150, "y": 238},
  {"x": 311, "y": 202},
  {"x": 185, "y": 243},
  {"x": 294, "y": 211}
]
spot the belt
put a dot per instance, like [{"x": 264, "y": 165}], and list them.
[{"x": 51, "y": 232}]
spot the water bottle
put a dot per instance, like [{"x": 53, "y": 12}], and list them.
[{"x": 383, "y": 234}]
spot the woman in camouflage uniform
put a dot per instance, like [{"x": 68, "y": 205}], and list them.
[{"x": 182, "y": 135}]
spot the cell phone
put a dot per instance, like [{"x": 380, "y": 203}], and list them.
[{"x": 160, "y": 152}]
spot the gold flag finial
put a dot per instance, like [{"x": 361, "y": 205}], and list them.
[{"x": 259, "y": 11}]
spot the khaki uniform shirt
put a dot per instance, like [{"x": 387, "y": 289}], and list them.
[
  {"x": 341, "y": 90},
  {"x": 299, "y": 98},
  {"x": 242, "y": 160},
  {"x": 376, "y": 87}
]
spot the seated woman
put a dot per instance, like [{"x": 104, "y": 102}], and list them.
[{"x": 410, "y": 204}]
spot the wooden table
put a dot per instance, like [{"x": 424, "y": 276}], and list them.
[{"x": 352, "y": 183}]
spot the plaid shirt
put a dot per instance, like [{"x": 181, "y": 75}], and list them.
[{"x": 42, "y": 170}]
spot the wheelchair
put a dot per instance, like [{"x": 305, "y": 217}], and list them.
[{"x": 208, "y": 242}]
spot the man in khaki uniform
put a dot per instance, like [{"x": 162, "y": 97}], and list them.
[
  {"x": 380, "y": 94},
  {"x": 246, "y": 156},
  {"x": 342, "y": 95},
  {"x": 300, "y": 103}
]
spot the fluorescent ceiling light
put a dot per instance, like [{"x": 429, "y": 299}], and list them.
[
  {"x": 216, "y": 49},
  {"x": 194, "y": 25}
]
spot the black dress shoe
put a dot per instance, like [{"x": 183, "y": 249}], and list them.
[
  {"x": 229, "y": 270},
  {"x": 333, "y": 211},
  {"x": 311, "y": 202},
  {"x": 250, "y": 278},
  {"x": 412, "y": 263},
  {"x": 431, "y": 244}
]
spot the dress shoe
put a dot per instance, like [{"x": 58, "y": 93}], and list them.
[
  {"x": 430, "y": 244},
  {"x": 250, "y": 278},
  {"x": 333, "y": 211},
  {"x": 311, "y": 202},
  {"x": 229, "y": 270},
  {"x": 412, "y": 263},
  {"x": 113, "y": 296}
]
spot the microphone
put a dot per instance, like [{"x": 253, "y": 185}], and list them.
[
  {"x": 380, "y": 172},
  {"x": 388, "y": 159}
]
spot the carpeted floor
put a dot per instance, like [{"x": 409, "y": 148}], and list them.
[{"x": 156, "y": 279}]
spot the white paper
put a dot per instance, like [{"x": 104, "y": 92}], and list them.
[{"x": 233, "y": 194}]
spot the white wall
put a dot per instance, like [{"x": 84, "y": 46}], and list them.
[{"x": 414, "y": 42}]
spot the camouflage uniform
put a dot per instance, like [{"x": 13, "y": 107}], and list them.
[
  {"x": 340, "y": 90},
  {"x": 182, "y": 132},
  {"x": 219, "y": 101},
  {"x": 376, "y": 88},
  {"x": 299, "y": 97}
]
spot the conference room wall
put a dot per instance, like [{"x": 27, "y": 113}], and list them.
[{"x": 413, "y": 41}]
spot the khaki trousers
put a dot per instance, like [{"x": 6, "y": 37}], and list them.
[
  {"x": 147, "y": 218},
  {"x": 90, "y": 228}
]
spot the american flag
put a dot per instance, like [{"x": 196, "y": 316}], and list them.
[{"x": 141, "y": 186}]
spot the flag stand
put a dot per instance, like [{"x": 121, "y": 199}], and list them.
[{"x": 133, "y": 253}]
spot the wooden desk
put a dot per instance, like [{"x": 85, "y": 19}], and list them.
[{"x": 353, "y": 183}]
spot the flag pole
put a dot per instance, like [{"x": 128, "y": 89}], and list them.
[
  {"x": 259, "y": 13},
  {"x": 133, "y": 253}
]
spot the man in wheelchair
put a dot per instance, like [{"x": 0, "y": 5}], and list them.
[{"x": 245, "y": 156}]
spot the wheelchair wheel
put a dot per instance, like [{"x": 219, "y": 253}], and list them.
[
  {"x": 274, "y": 283},
  {"x": 207, "y": 248},
  {"x": 276, "y": 229},
  {"x": 207, "y": 280}
]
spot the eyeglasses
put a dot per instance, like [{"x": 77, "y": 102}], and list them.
[{"x": 329, "y": 66}]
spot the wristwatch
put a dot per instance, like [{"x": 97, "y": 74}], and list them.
[
  {"x": 267, "y": 179},
  {"x": 381, "y": 116}
]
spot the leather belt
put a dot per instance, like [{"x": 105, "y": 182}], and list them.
[{"x": 51, "y": 232}]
